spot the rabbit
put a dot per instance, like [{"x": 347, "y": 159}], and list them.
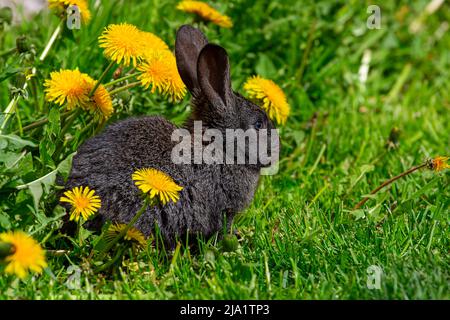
[{"x": 212, "y": 193}]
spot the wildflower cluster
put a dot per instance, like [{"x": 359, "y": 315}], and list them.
[{"x": 131, "y": 53}]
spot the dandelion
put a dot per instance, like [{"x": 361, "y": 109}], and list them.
[
  {"x": 152, "y": 42},
  {"x": 73, "y": 87},
  {"x": 26, "y": 254},
  {"x": 82, "y": 5},
  {"x": 270, "y": 96},
  {"x": 123, "y": 43},
  {"x": 159, "y": 70},
  {"x": 84, "y": 202},
  {"x": 67, "y": 86},
  {"x": 205, "y": 12},
  {"x": 157, "y": 183},
  {"x": 132, "y": 235},
  {"x": 100, "y": 103},
  {"x": 438, "y": 163}
]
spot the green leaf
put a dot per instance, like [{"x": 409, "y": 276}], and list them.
[
  {"x": 45, "y": 152},
  {"x": 9, "y": 72},
  {"x": 100, "y": 243},
  {"x": 5, "y": 221},
  {"x": 26, "y": 164},
  {"x": 14, "y": 142},
  {"x": 10, "y": 159},
  {"x": 35, "y": 186},
  {"x": 36, "y": 191},
  {"x": 54, "y": 121},
  {"x": 84, "y": 234},
  {"x": 43, "y": 221},
  {"x": 65, "y": 165},
  {"x": 47, "y": 181}
]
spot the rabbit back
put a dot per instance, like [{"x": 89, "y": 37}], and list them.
[{"x": 107, "y": 161}]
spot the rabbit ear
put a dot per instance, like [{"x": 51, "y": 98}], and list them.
[
  {"x": 190, "y": 41},
  {"x": 213, "y": 72}
]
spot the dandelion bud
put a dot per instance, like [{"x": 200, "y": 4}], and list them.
[
  {"x": 5, "y": 16},
  {"x": 22, "y": 44}
]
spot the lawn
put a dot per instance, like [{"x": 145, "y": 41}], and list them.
[{"x": 300, "y": 238}]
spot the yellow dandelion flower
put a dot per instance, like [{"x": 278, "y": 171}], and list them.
[
  {"x": 84, "y": 202},
  {"x": 81, "y": 4},
  {"x": 133, "y": 235},
  {"x": 73, "y": 87},
  {"x": 27, "y": 254},
  {"x": 159, "y": 70},
  {"x": 205, "y": 12},
  {"x": 152, "y": 42},
  {"x": 439, "y": 163},
  {"x": 101, "y": 102},
  {"x": 122, "y": 43},
  {"x": 270, "y": 96},
  {"x": 157, "y": 183},
  {"x": 68, "y": 86}
]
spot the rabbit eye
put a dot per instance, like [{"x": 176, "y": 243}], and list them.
[{"x": 258, "y": 125}]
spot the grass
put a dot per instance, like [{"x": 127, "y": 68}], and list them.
[{"x": 300, "y": 238}]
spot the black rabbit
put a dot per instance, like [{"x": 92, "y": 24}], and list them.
[{"x": 212, "y": 193}]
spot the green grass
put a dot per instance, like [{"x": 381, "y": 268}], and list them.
[{"x": 299, "y": 239}]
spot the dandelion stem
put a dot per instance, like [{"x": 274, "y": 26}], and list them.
[
  {"x": 41, "y": 122},
  {"x": 7, "y": 52},
  {"x": 10, "y": 109},
  {"x": 19, "y": 122},
  {"x": 80, "y": 238},
  {"x": 34, "y": 91},
  {"x": 118, "y": 255},
  {"x": 68, "y": 123},
  {"x": 99, "y": 127},
  {"x": 388, "y": 182},
  {"x": 50, "y": 42},
  {"x": 126, "y": 87},
  {"x": 70, "y": 120},
  {"x": 57, "y": 253},
  {"x": 121, "y": 79},
  {"x": 99, "y": 81},
  {"x": 88, "y": 127}
]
